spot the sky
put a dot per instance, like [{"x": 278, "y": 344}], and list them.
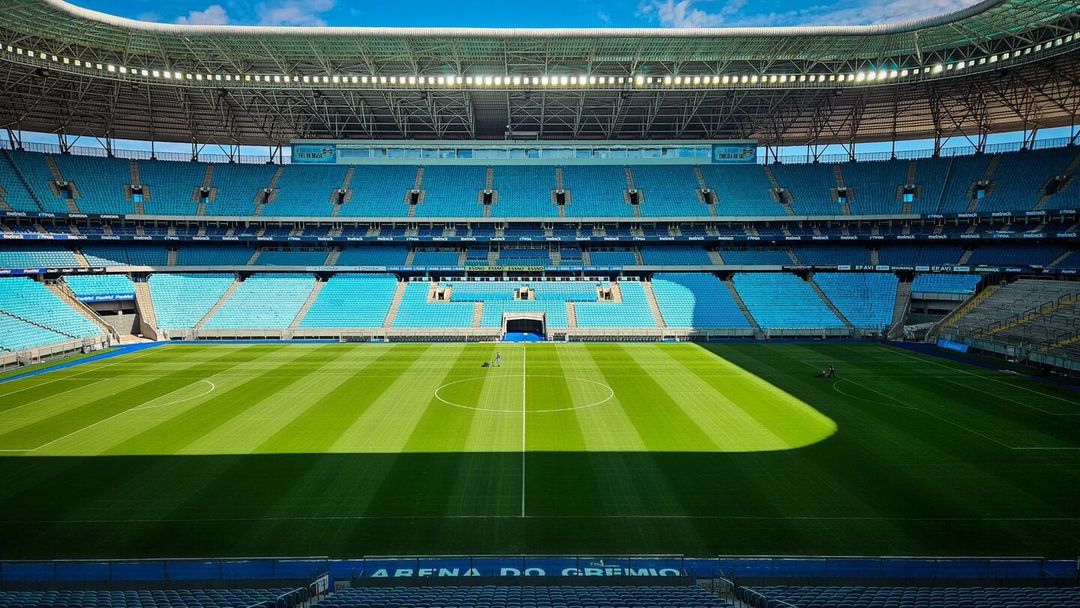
[{"x": 548, "y": 13}]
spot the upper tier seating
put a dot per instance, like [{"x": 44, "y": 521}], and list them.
[
  {"x": 100, "y": 182},
  {"x": 525, "y": 596},
  {"x": 866, "y": 299},
  {"x": 675, "y": 256},
  {"x": 741, "y": 190},
  {"x": 833, "y": 254},
  {"x": 33, "y": 302},
  {"x": 929, "y": 255},
  {"x": 756, "y": 257},
  {"x": 963, "y": 284},
  {"x": 779, "y": 301},
  {"x": 668, "y": 190},
  {"x": 115, "y": 286},
  {"x": 1036, "y": 255},
  {"x": 452, "y": 191},
  {"x": 35, "y": 169},
  {"x": 943, "y": 185},
  {"x": 875, "y": 185},
  {"x": 373, "y": 255},
  {"x": 181, "y": 300},
  {"x": 128, "y": 254},
  {"x": 36, "y": 256},
  {"x": 632, "y": 312},
  {"x": 306, "y": 190},
  {"x": 15, "y": 192},
  {"x": 612, "y": 257},
  {"x": 237, "y": 188},
  {"x": 696, "y": 300},
  {"x": 436, "y": 257},
  {"x": 164, "y": 598},
  {"x": 524, "y": 191},
  {"x": 596, "y": 191},
  {"x": 923, "y": 597},
  {"x": 214, "y": 255},
  {"x": 352, "y": 301},
  {"x": 811, "y": 188},
  {"x": 264, "y": 301},
  {"x": 379, "y": 191},
  {"x": 292, "y": 257},
  {"x": 172, "y": 186}
]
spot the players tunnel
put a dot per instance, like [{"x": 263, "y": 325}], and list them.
[{"x": 524, "y": 326}]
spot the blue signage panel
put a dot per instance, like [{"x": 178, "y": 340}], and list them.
[
  {"x": 314, "y": 154},
  {"x": 734, "y": 153}
]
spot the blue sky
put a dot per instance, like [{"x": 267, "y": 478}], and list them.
[{"x": 547, "y": 13}]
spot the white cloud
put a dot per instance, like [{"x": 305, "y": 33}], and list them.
[
  {"x": 293, "y": 12},
  {"x": 729, "y": 13},
  {"x": 213, "y": 15},
  {"x": 603, "y": 17}
]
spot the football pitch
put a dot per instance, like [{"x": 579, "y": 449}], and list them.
[{"x": 348, "y": 450}]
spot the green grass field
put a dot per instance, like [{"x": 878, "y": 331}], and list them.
[{"x": 346, "y": 450}]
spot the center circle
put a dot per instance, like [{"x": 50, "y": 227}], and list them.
[{"x": 465, "y": 394}]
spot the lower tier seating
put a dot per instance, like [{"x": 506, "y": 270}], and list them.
[
  {"x": 181, "y": 300},
  {"x": 696, "y": 300},
  {"x": 524, "y": 597},
  {"x": 866, "y": 299},
  {"x": 784, "y": 301},
  {"x": 264, "y": 301},
  {"x": 923, "y": 597}
]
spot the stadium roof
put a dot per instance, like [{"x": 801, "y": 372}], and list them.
[{"x": 998, "y": 65}]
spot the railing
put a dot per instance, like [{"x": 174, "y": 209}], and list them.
[
  {"x": 1026, "y": 316},
  {"x": 757, "y": 600},
  {"x": 289, "y": 599},
  {"x": 807, "y": 158}
]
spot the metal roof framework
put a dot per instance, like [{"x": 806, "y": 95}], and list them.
[{"x": 1000, "y": 65}]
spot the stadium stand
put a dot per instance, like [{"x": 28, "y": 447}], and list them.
[
  {"x": 416, "y": 312},
  {"x": 214, "y": 255},
  {"x": 741, "y": 190},
  {"x": 35, "y": 256},
  {"x": 865, "y": 299},
  {"x": 34, "y": 169},
  {"x": 373, "y": 255},
  {"x": 17, "y": 335},
  {"x": 237, "y": 187},
  {"x": 181, "y": 300},
  {"x": 756, "y": 257},
  {"x": 875, "y": 186},
  {"x": 833, "y": 254},
  {"x": 525, "y": 597},
  {"x": 452, "y": 191},
  {"x": 128, "y": 254},
  {"x": 523, "y": 191},
  {"x": 380, "y": 190},
  {"x": 157, "y": 598},
  {"x": 596, "y": 191},
  {"x": 292, "y": 257},
  {"x": 921, "y": 597},
  {"x": 945, "y": 283},
  {"x": 668, "y": 191},
  {"x": 101, "y": 286},
  {"x": 306, "y": 190},
  {"x": 675, "y": 256},
  {"x": 263, "y": 301},
  {"x": 31, "y": 301},
  {"x": 100, "y": 182},
  {"x": 696, "y": 300},
  {"x": 172, "y": 187},
  {"x": 352, "y": 301},
  {"x": 632, "y": 312},
  {"x": 800, "y": 306}
]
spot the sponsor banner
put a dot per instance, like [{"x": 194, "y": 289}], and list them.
[
  {"x": 119, "y": 297},
  {"x": 501, "y": 567},
  {"x": 314, "y": 154},
  {"x": 736, "y": 152},
  {"x": 950, "y": 345}
]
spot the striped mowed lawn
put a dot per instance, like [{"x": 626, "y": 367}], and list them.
[{"x": 304, "y": 449}]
